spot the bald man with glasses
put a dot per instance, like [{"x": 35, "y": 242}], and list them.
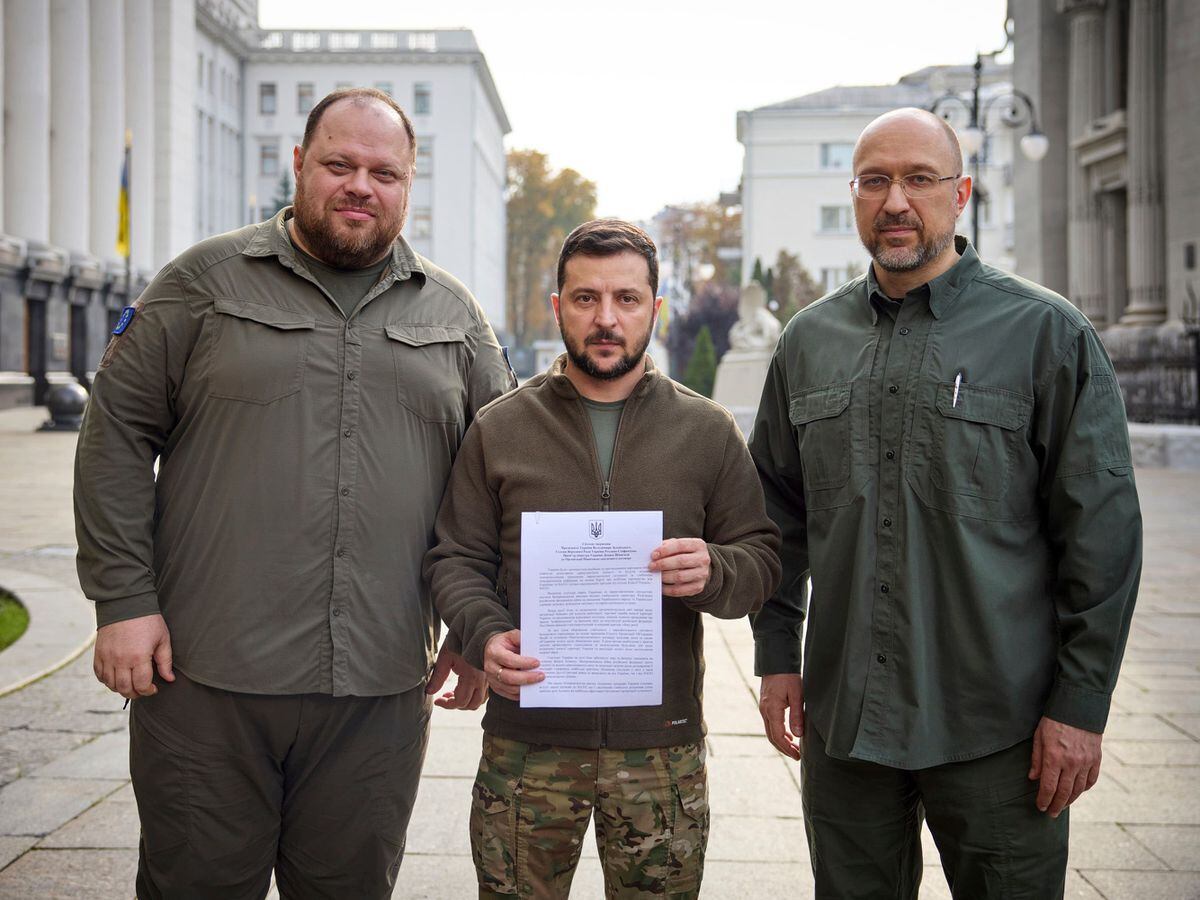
[{"x": 944, "y": 448}]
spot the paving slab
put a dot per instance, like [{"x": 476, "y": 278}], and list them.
[
  {"x": 1153, "y": 753},
  {"x": 1141, "y": 727},
  {"x": 104, "y": 757},
  {"x": 1189, "y": 725},
  {"x": 38, "y": 806},
  {"x": 1176, "y": 845},
  {"x": 439, "y": 820},
  {"x": 112, "y": 824},
  {"x": 1117, "y": 885},
  {"x": 453, "y": 752},
  {"x": 1106, "y": 845},
  {"x": 13, "y": 846},
  {"x": 23, "y": 750},
  {"x": 94, "y": 874}
]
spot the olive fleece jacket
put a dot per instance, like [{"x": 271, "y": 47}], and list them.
[{"x": 533, "y": 450}]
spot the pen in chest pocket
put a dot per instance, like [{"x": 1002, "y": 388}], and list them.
[{"x": 957, "y": 384}]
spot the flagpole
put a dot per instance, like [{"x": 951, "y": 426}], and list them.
[{"x": 129, "y": 216}]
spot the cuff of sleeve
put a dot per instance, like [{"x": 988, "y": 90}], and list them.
[
  {"x": 712, "y": 590},
  {"x": 110, "y": 611},
  {"x": 1078, "y": 707},
  {"x": 472, "y": 650},
  {"x": 777, "y": 654}
]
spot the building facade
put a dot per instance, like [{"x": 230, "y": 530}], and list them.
[
  {"x": 1111, "y": 219},
  {"x": 797, "y": 167},
  {"x": 213, "y": 106}
]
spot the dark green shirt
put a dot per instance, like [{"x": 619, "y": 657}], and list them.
[
  {"x": 974, "y": 560},
  {"x": 605, "y": 419},
  {"x": 301, "y": 459},
  {"x": 347, "y": 287}
]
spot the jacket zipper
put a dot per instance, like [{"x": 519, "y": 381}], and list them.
[{"x": 605, "y": 506}]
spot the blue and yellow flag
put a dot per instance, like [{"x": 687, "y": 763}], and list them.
[{"x": 123, "y": 204}]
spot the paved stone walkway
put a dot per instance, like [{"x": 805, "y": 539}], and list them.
[{"x": 68, "y": 822}]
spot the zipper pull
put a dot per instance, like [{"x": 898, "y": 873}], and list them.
[{"x": 605, "y": 494}]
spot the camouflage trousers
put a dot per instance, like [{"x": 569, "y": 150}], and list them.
[{"x": 531, "y": 804}]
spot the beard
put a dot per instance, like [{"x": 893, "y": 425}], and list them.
[
  {"x": 905, "y": 259},
  {"x": 624, "y": 364},
  {"x": 342, "y": 243}
]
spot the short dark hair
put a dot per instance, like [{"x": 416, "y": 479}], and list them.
[
  {"x": 359, "y": 95},
  {"x": 608, "y": 237}
]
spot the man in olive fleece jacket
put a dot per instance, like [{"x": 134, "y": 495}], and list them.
[{"x": 602, "y": 429}]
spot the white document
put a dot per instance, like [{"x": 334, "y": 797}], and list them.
[{"x": 591, "y": 610}]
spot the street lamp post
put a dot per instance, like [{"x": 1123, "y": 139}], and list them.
[{"x": 1020, "y": 110}]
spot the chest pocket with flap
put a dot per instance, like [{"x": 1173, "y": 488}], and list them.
[
  {"x": 821, "y": 417},
  {"x": 432, "y": 368},
  {"x": 976, "y": 440},
  {"x": 259, "y": 351}
]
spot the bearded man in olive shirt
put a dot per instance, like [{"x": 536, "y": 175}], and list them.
[
  {"x": 944, "y": 448},
  {"x": 303, "y": 385}
]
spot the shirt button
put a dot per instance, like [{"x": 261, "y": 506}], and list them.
[
  {"x": 887, "y": 523},
  {"x": 881, "y": 659},
  {"x": 351, "y": 375},
  {"x": 891, "y": 454},
  {"x": 345, "y": 492},
  {"x": 893, "y": 389},
  {"x": 341, "y": 551},
  {"x": 904, "y": 331},
  {"x": 347, "y": 433},
  {"x": 337, "y": 612},
  {"x": 883, "y": 589}
]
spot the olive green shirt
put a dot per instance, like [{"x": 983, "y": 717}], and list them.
[
  {"x": 605, "y": 419},
  {"x": 301, "y": 460},
  {"x": 974, "y": 558}
]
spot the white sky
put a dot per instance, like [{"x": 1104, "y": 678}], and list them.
[{"x": 641, "y": 96}]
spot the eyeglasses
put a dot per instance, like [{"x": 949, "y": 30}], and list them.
[{"x": 915, "y": 186}]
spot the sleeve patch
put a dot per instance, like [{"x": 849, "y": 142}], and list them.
[{"x": 127, "y": 315}]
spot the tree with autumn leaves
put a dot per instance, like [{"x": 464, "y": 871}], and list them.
[{"x": 543, "y": 207}]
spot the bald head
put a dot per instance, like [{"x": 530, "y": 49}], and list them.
[{"x": 915, "y": 134}]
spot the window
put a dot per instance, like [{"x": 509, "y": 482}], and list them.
[
  {"x": 830, "y": 278},
  {"x": 424, "y": 156},
  {"x": 422, "y": 224},
  {"x": 268, "y": 159},
  {"x": 304, "y": 97},
  {"x": 342, "y": 85},
  {"x": 199, "y": 70},
  {"x": 385, "y": 86},
  {"x": 212, "y": 81},
  {"x": 266, "y": 98},
  {"x": 836, "y": 156},
  {"x": 422, "y": 98},
  {"x": 837, "y": 219},
  {"x": 422, "y": 40},
  {"x": 306, "y": 40}
]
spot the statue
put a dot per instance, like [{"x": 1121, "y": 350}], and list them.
[
  {"x": 743, "y": 369},
  {"x": 756, "y": 328}
]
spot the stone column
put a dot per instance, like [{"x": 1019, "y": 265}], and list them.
[
  {"x": 27, "y": 119},
  {"x": 70, "y": 131},
  {"x": 1085, "y": 104},
  {"x": 1147, "y": 256},
  {"x": 107, "y": 66},
  {"x": 139, "y": 118},
  {"x": 176, "y": 136}
]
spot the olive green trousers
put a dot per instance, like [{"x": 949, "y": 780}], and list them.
[
  {"x": 863, "y": 822},
  {"x": 231, "y": 786}
]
